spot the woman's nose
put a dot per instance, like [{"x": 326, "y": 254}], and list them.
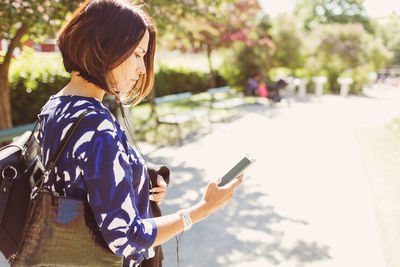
[{"x": 142, "y": 67}]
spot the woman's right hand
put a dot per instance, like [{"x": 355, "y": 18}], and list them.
[
  {"x": 213, "y": 199},
  {"x": 216, "y": 197}
]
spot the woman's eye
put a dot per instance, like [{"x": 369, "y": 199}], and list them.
[{"x": 137, "y": 56}]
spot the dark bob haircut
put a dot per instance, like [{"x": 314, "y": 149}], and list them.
[{"x": 100, "y": 35}]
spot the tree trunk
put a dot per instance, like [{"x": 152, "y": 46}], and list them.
[
  {"x": 5, "y": 104},
  {"x": 213, "y": 81},
  {"x": 5, "y": 108}
]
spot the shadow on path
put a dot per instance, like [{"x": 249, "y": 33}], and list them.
[{"x": 246, "y": 230}]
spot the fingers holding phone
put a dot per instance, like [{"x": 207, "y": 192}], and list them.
[
  {"x": 158, "y": 193},
  {"x": 220, "y": 192},
  {"x": 218, "y": 196}
]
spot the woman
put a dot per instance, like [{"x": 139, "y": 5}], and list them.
[{"x": 108, "y": 46}]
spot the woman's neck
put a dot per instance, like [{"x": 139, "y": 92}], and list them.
[{"x": 79, "y": 86}]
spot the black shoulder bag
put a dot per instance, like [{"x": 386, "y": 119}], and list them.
[
  {"x": 20, "y": 168},
  {"x": 59, "y": 230}
]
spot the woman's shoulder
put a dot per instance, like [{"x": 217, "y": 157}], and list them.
[
  {"x": 97, "y": 117},
  {"x": 62, "y": 112}
]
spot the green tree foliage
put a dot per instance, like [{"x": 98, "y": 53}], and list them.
[
  {"x": 40, "y": 17},
  {"x": 19, "y": 21},
  {"x": 379, "y": 55},
  {"x": 170, "y": 14},
  {"x": 340, "y": 48},
  {"x": 207, "y": 26},
  {"x": 239, "y": 63},
  {"x": 242, "y": 60},
  {"x": 289, "y": 39},
  {"x": 315, "y": 12},
  {"x": 388, "y": 29},
  {"x": 285, "y": 48}
]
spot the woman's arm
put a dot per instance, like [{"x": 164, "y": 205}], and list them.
[
  {"x": 108, "y": 173},
  {"x": 214, "y": 198}
]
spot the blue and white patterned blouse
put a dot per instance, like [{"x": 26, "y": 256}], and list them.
[{"x": 101, "y": 166}]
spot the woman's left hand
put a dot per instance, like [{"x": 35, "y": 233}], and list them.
[{"x": 158, "y": 193}]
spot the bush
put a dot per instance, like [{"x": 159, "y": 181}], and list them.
[
  {"x": 360, "y": 79},
  {"x": 26, "y": 103},
  {"x": 172, "y": 81},
  {"x": 239, "y": 64},
  {"x": 333, "y": 85},
  {"x": 342, "y": 48},
  {"x": 277, "y": 73},
  {"x": 33, "y": 79},
  {"x": 302, "y": 73}
]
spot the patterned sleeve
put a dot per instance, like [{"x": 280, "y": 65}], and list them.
[{"x": 108, "y": 177}]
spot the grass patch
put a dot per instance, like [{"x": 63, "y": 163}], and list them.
[{"x": 145, "y": 123}]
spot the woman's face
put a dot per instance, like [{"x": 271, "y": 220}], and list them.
[{"x": 124, "y": 76}]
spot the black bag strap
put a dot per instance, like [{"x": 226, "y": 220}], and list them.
[
  {"x": 51, "y": 164},
  {"x": 34, "y": 129}
]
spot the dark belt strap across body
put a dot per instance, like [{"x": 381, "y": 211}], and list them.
[{"x": 59, "y": 230}]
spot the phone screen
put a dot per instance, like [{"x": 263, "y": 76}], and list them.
[{"x": 237, "y": 170}]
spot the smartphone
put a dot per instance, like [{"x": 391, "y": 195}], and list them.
[{"x": 237, "y": 170}]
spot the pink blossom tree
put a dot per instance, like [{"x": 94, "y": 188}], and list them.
[
  {"x": 21, "y": 20},
  {"x": 204, "y": 26}
]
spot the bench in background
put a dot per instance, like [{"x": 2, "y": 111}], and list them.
[
  {"x": 224, "y": 98},
  {"x": 7, "y": 135},
  {"x": 165, "y": 114}
]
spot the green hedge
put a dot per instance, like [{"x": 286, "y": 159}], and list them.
[
  {"x": 173, "y": 81},
  {"x": 26, "y": 103},
  {"x": 33, "y": 79}
]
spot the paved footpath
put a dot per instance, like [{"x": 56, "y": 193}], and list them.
[
  {"x": 308, "y": 200},
  {"x": 380, "y": 149},
  {"x": 317, "y": 195}
]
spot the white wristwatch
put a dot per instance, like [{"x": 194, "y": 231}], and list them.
[{"x": 187, "y": 221}]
